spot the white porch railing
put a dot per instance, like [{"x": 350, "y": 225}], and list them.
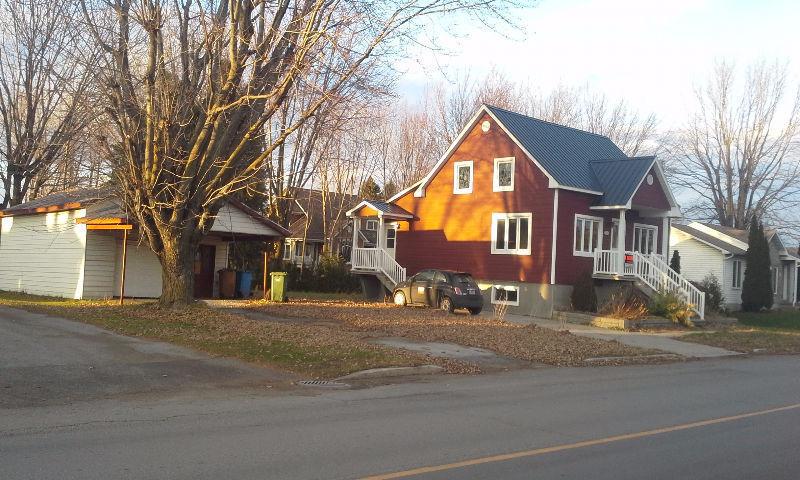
[
  {"x": 653, "y": 271},
  {"x": 378, "y": 260}
]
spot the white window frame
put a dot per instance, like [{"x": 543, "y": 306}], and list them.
[
  {"x": 597, "y": 244},
  {"x": 737, "y": 274},
  {"x": 496, "y": 177},
  {"x": 287, "y": 250},
  {"x": 374, "y": 224},
  {"x": 645, "y": 226},
  {"x": 507, "y": 217},
  {"x": 505, "y": 302},
  {"x": 456, "y": 167},
  {"x": 391, "y": 228}
]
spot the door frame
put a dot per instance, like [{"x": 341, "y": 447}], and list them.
[{"x": 211, "y": 252}]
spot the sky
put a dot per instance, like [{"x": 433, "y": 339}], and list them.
[{"x": 651, "y": 53}]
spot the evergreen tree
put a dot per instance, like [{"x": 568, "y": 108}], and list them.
[
  {"x": 675, "y": 262},
  {"x": 757, "y": 285},
  {"x": 370, "y": 190}
]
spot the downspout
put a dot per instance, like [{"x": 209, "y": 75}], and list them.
[{"x": 554, "y": 240}]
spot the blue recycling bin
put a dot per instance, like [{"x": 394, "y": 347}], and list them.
[{"x": 244, "y": 284}]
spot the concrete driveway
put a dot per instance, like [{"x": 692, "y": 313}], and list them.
[{"x": 46, "y": 360}]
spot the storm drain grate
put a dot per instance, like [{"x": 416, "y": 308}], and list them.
[{"x": 323, "y": 383}]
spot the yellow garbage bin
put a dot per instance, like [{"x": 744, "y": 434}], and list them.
[{"x": 277, "y": 290}]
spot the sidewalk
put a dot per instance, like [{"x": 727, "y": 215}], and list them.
[{"x": 659, "y": 341}]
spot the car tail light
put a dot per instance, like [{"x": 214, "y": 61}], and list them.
[{"x": 457, "y": 290}]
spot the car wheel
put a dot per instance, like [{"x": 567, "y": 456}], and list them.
[
  {"x": 400, "y": 298},
  {"x": 446, "y": 304},
  {"x": 475, "y": 311}
]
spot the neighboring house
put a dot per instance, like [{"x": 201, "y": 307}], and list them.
[
  {"x": 527, "y": 207},
  {"x": 318, "y": 219},
  {"x": 707, "y": 249},
  {"x": 69, "y": 244}
]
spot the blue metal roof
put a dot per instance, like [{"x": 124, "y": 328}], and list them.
[
  {"x": 564, "y": 152},
  {"x": 619, "y": 178}
]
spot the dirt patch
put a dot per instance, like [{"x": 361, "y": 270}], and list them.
[{"x": 524, "y": 342}]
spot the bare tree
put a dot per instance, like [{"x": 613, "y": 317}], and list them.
[
  {"x": 195, "y": 85},
  {"x": 738, "y": 153},
  {"x": 45, "y": 74}
]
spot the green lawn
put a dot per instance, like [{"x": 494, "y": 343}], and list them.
[
  {"x": 778, "y": 320},
  {"x": 769, "y": 332}
]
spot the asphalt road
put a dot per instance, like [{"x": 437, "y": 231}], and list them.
[{"x": 700, "y": 419}]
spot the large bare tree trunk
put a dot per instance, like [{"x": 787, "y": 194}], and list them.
[{"x": 193, "y": 85}]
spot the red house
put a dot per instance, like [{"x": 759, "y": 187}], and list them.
[{"x": 527, "y": 207}]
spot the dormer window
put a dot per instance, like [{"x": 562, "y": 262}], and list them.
[
  {"x": 462, "y": 177},
  {"x": 503, "y": 174}
]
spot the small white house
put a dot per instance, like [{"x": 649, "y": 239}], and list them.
[
  {"x": 70, "y": 244},
  {"x": 710, "y": 249}
]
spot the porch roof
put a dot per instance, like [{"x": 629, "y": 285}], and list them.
[
  {"x": 382, "y": 209},
  {"x": 620, "y": 178}
]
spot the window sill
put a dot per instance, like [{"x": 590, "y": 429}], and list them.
[
  {"x": 462, "y": 192},
  {"x": 511, "y": 252},
  {"x": 503, "y": 189}
]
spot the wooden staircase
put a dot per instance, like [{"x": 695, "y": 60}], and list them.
[
  {"x": 379, "y": 263},
  {"x": 650, "y": 274}
]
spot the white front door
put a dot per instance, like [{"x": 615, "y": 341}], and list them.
[{"x": 390, "y": 238}]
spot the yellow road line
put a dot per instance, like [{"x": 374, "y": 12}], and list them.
[{"x": 572, "y": 446}]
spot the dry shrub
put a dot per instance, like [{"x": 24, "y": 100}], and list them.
[
  {"x": 670, "y": 305},
  {"x": 625, "y": 303},
  {"x": 500, "y": 308}
]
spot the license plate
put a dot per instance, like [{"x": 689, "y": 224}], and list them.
[{"x": 471, "y": 291}]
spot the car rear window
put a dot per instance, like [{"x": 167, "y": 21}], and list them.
[{"x": 462, "y": 278}]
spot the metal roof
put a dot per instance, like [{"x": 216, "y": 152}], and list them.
[
  {"x": 565, "y": 153},
  {"x": 619, "y": 178},
  {"x": 67, "y": 199},
  {"x": 710, "y": 239}
]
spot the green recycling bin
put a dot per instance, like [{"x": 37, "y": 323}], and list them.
[{"x": 277, "y": 286}]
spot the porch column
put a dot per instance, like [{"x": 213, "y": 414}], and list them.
[
  {"x": 621, "y": 240},
  {"x": 665, "y": 239},
  {"x": 355, "y": 237},
  {"x": 380, "y": 233}
]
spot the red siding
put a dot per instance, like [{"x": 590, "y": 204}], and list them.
[
  {"x": 454, "y": 231},
  {"x": 570, "y": 266},
  {"x": 652, "y": 196}
]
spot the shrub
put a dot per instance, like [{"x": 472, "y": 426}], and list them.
[
  {"x": 584, "y": 297},
  {"x": 330, "y": 274},
  {"x": 675, "y": 262},
  {"x": 710, "y": 285},
  {"x": 757, "y": 286},
  {"x": 671, "y": 306},
  {"x": 625, "y": 303}
]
